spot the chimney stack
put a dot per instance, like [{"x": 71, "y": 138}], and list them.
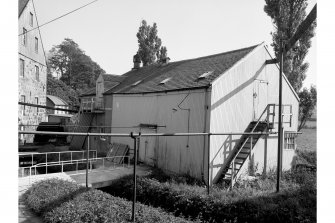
[
  {"x": 137, "y": 61},
  {"x": 166, "y": 60}
]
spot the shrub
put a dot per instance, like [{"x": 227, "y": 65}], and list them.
[
  {"x": 64, "y": 201},
  {"x": 97, "y": 206},
  {"x": 250, "y": 203},
  {"x": 44, "y": 195}
]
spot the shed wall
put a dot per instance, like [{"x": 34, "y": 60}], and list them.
[
  {"x": 233, "y": 107},
  {"x": 170, "y": 153}
]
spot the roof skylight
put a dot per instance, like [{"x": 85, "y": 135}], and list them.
[
  {"x": 206, "y": 74},
  {"x": 165, "y": 80},
  {"x": 136, "y": 83}
]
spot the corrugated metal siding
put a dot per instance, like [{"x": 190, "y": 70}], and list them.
[
  {"x": 232, "y": 106},
  {"x": 171, "y": 153}
]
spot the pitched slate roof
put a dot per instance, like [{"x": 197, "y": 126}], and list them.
[
  {"x": 22, "y": 5},
  {"x": 110, "y": 81},
  {"x": 181, "y": 75}
]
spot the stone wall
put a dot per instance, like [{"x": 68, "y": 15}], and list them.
[{"x": 30, "y": 86}]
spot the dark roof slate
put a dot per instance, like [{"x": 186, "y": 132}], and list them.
[
  {"x": 184, "y": 74},
  {"x": 22, "y": 5}
]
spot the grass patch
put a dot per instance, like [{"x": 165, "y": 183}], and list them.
[{"x": 307, "y": 140}]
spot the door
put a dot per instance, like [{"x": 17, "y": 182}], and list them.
[
  {"x": 260, "y": 98},
  {"x": 147, "y": 147}
]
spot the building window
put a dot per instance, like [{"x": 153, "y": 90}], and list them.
[
  {"x": 24, "y": 37},
  {"x": 37, "y": 73},
  {"x": 36, "y": 44},
  {"x": 290, "y": 140},
  {"x": 23, "y": 107},
  {"x": 21, "y": 68},
  {"x": 31, "y": 19},
  {"x": 36, "y": 103}
]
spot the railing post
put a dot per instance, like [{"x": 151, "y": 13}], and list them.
[
  {"x": 209, "y": 163},
  {"x": 46, "y": 163},
  {"x": 134, "y": 175},
  {"x": 77, "y": 167},
  {"x": 87, "y": 157},
  {"x": 71, "y": 156},
  {"x": 232, "y": 174},
  {"x": 32, "y": 159},
  {"x": 59, "y": 157},
  {"x": 62, "y": 167}
]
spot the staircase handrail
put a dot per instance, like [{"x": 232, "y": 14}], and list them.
[{"x": 245, "y": 141}]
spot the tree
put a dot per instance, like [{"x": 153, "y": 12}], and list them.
[
  {"x": 60, "y": 89},
  {"x": 149, "y": 44},
  {"x": 307, "y": 104},
  {"x": 74, "y": 67},
  {"x": 286, "y": 16}
]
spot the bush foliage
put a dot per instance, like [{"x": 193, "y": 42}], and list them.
[
  {"x": 61, "y": 201},
  {"x": 45, "y": 195},
  {"x": 251, "y": 202}
]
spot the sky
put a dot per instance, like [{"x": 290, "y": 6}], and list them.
[{"x": 106, "y": 30}]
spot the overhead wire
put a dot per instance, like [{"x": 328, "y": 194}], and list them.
[{"x": 59, "y": 17}]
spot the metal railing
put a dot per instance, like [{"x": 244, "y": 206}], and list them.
[
  {"x": 91, "y": 105},
  {"x": 94, "y": 154},
  {"x": 105, "y": 163}
]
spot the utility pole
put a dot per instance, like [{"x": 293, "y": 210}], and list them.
[
  {"x": 280, "y": 112},
  {"x": 285, "y": 48}
]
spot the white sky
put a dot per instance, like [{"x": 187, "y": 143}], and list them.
[{"x": 106, "y": 30}]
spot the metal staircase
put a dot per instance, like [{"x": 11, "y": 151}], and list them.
[
  {"x": 85, "y": 120},
  {"x": 88, "y": 109},
  {"x": 247, "y": 142}
]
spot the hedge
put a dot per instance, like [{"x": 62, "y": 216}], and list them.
[
  {"x": 62, "y": 201},
  {"x": 295, "y": 205},
  {"x": 45, "y": 195}
]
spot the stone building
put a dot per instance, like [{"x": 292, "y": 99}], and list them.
[{"x": 32, "y": 70}]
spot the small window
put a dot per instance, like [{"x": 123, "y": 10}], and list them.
[
  {"x": 36, "y": 103},
  {"x": 31, "y": 19},
  {"x": 165, "y": 81},
  {"x": 290, "y": 140},
  {"x": 204, "y": 75},
  {"x": 23, "y": 107},
  {"x": 24, "y": 37},
  {"x": 37, "y": 73},
  {"x": 21, "y": 68},
  {"x": 136, "y": 83},
  {"x": 36, "y": 44}
]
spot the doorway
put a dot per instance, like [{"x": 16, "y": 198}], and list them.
[
  {"x": 147, "y": 147},
  {"x": 260, "y": 97}
]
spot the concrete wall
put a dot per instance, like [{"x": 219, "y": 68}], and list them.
[
  {"x": 29, "y": 86},
  {"x": 238, "y": 97},
  {"x": 183, "y": 155}
]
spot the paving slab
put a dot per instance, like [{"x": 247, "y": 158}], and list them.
[{"x": 105, "y": 177}]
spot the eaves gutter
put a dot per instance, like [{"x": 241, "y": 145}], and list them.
[{"x": 163, "y": 91}]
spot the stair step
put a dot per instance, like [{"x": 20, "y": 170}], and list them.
[
  {"x": 239, "y": 161},
  {"x": 242, "y": 156}
]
